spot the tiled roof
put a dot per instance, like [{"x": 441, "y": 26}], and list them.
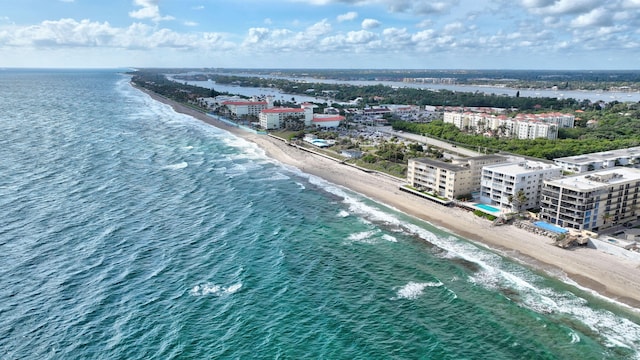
[{"x": 327, "y": 118}]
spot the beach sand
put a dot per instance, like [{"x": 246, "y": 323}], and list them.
[{"x": 611, "y": 276}]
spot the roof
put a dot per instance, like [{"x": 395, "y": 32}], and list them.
[
  {"x": 601, "y": 156},
  {"x": 317, "y": 118},
  {"x": 282, "y": 110},
  {"x": 441, "y": 164},
  {"x": 598, "y": 179},
  {"x": 487, "y": 157},
  {"x": 234, "y": 102}
]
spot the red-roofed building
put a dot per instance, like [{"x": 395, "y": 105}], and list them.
[{"x": 327, "y": 121}]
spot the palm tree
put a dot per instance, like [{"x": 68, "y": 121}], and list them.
[
  {"x": 518, "y": 200},
  {"x": 607, "y": 218}
]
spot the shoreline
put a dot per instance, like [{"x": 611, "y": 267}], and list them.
[{"x": 614, "y": 278}]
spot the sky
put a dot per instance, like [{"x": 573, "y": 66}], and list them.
[{"x": 342, "y": 34}]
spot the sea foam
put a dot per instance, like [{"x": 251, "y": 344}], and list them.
[
  {"x": 413, "y": 290},
  {"x": 215, "y": 290},
  {"x": 177, "y": 166}
]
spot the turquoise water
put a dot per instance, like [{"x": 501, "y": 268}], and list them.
[
  {"x": 132, "y": 232},
  {"x": 486, "y": 207}
]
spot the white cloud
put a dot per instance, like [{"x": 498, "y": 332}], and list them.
[
  {"x": 191, "y": 23},
  {"x": 631, "y": 4},
  {"x": 368, "y": 24},
  {"x": 149, "y": 10},
  {"x": 360, "y": 37},
  {"x": 425, "y": 23},
  {"x": 559, "y": 7},
  {"x": 70, "y": 33},
  {"x": 397, "y": 39},
  {"x": 453, "y": 28},
  {"x": 395, "y": 6},
  {"x": 320, "y": 28},
  {"x": 596, "y": 17},
  {"x": 351, "y": 15}
]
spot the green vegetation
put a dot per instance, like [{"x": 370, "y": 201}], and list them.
[
  {"x": 381, "y": 94},
  {"x": 481, "y": 214},
  {"x": 618, "y": 126},
  {"x": 524, "y": 79},
  {"x": 157, "y": 82}
]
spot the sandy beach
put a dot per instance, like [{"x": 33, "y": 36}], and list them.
[{"x": 611, "y": 276}]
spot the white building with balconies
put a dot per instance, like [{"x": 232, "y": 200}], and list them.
[
  {"x": 515, "y": 185},
  {"x": 592, "y": 201}
]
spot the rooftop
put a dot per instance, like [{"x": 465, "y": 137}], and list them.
[
  {"x": 282, "y": 110},
  {"x": 600, "y": 156},
  {"x": 320, "y": 118},
  {"x": 486, "y": 157},
  {"x": 598, "y": 179},
  {"x": 521, "y": 167},
  {"x": 236, "y": 102},
  {"x": 441, "y": 164}
]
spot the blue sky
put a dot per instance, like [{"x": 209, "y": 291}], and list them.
[{"x": 398, "y": 34}]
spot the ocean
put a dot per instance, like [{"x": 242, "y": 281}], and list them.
[{"x": 130, "y": 231}]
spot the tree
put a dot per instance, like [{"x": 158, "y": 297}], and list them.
[{"x": 518, "y": 200}]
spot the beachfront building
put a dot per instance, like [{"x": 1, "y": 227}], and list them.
[
  {"x": 600, "y": 160},
  {"x": 592, "y": 201},
  {"x": 275, "y": 118},
  {"x": 241, "y": 108},
  {"x": 476, "y": 164},
  {"x": 516, "y": 185},
  {"x": 440, "y": 178},
  {"x": 449, "y": 180}
]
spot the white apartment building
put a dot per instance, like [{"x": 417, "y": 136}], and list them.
[
  {"x": 449, "y": 180},
  {"x": 523, "y": 126},
  {"x": 535, "y": 130},
  {"x": 244, "y": 107},
  {"x": 274, "y": 118},
  {"x": 558, "y": 119},
  {"x": 593, "y": 201},
  {"x": 600, "y": 160},
  {"x": 501, "y": 183},
  {"x": 440, "y": 178}
]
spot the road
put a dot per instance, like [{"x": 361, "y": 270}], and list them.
[{"x": 429, "y": 141}]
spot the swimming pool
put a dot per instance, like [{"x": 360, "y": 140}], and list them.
[
  {"x": 486, "y": 207},
  {"x": 545, "y": 225}
]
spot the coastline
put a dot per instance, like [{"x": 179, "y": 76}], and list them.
[{"x": 610, "y": 276}]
